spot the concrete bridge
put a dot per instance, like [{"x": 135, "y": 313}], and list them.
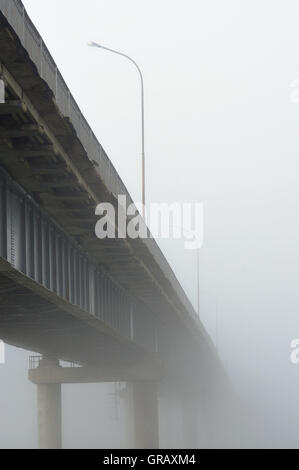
[{"x": 114, "y": 307}]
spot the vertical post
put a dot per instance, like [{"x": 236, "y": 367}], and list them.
[
  {"x": 145, "y": 410},
  {"x": 49, "y": 416},
  {"x": 49, "y": 412}
]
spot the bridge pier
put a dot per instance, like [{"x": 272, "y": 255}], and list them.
[
  {"x": 49, "y": 411},
  {"x": 145, "y": 415},
  {"x": 142, "y": 400}
]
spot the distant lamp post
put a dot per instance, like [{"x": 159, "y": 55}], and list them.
[
  {"x": 94, "y": 44},
  {"x": 197, "y": 271}
]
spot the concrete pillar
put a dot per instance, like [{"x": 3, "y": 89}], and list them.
[
  {"x": 127, "y": 407},
  {"x": 49, "y": 413},
  {"x": 145, "y": 413}
]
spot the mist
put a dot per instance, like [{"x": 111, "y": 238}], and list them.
[{"x": 221, "y": 129}]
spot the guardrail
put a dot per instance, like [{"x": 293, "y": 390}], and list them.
[{"x": 34, "y": 362}]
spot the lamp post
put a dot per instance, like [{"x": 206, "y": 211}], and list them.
[
  {"x": 197, "y": 271},
  {"x": 94, "y": 44}
]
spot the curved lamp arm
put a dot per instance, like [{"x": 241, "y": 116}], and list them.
[{"x": 94, "y": 44}]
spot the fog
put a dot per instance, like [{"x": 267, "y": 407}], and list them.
[{"x": 221, "y": 129}]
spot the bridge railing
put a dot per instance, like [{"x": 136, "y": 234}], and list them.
[{"x": 34, "y": 362}]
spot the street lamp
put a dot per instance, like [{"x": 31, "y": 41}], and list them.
[
  {"x": 94, "y": 44},
  {"x": 197, "y": 270}
]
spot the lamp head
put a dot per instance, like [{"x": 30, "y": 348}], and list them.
[{"x": 93, "y": 44}]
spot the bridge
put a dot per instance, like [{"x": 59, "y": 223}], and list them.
[{"x": 112, "y": 307}]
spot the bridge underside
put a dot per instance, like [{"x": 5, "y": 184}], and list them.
[
  {"x": 48, "y": 149},
  {"x": 31, "y": 319},
  {"x": 112, "y": 306}
]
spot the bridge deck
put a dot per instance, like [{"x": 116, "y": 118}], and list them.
[{"x": 56, "y": 172}]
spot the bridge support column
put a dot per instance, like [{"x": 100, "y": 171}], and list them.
[
  {"x": 145, "y": 412},
  {"x": 49, "y": 416},
  {"x": 49, "y": 412}
]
